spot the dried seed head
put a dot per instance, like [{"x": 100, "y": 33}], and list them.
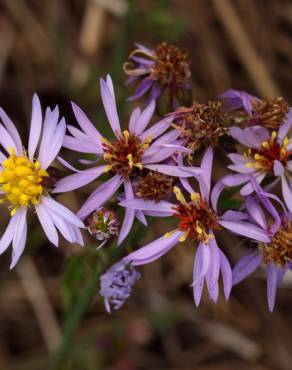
[
  {"x": 270, "y": 113},
  {"x": 163, "y": 74},
  {"x": 154, "y": 186},
  {"x": 279, "y": 250},
  {"x": 171, "y": 66},
  {"x": 201, "y": 125}
]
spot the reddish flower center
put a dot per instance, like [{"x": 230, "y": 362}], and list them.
[
  {"x": 196, "y": 218},
  {"x": 125, "y": 154},
  {"x": 270, "y": 151}
]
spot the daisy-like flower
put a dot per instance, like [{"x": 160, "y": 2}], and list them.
[
  {"x": 197, "y": 220},
  {"x": 165, "y": 69},
  {"x": 267, "y": 155},
  {"x": 131, "y": 151},
  {"x": 116, "y": 285},
  {"x": 23, "y": 174},
  {"x": 250, "y": 110},
  {"x": 275, "y": 255}
]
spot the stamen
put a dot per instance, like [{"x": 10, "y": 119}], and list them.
[
  {"x": 265, "y": 145},
  {"x": 195, "y": 197},
  {"x": 184, "y": 237},
  {"x": 130, "y": 160},
  {"x": 286, "y": 142},
  {"x": 126, "y": 135},
  {"x": 139, "y": 165},
  {"x": 167, "y": 235},
  {"x": 179, "y": 196}
]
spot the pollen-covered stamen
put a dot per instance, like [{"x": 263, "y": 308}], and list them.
[
  {"x": 21, "y": 181},
  {"x": 171, "y": 65},
  {"x": 103, "y": 224},
  {"x": 196, "y": 218},
  {"x": 270, "y": 113},
  {"x": 270, "y": 151},
  {"x": 201, "y": 124},
  {"x": 125, "y": 154},
  {"x": 279, "y": 250},
  {"x": 154, "y": 186}
]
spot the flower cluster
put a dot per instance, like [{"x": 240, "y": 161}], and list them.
[{"x": 146, "y": 169}]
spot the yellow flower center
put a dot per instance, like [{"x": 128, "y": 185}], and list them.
[
  {"x": 270, "y": 151},
  {"x": 21, "y": 181}
]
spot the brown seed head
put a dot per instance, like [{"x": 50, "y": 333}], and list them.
[
  {"x": 271, "y": 112},
  {"x": 171, "y": 66},
  {"x": 154, "y": 186},
  {"x": 201, "y": 125},
  {"x": 279, "y": 250}
]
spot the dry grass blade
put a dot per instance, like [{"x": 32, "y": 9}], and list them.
[
  {"x": 37, "y": 296},
  {"x": 32, "y": 29},
  {"x": 251, "y": 60}
]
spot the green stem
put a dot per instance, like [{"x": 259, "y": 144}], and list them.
[{"x": 73, "y": 319}]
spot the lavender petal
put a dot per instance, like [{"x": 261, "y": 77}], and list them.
[{"x": 246, "y": 266}]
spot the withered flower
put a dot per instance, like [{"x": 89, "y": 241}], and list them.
[
  {"x": 163, "y": 70},
  {"x": 270, "y": 113},
  {"x": 154, "y": 186},
  {"x": 200, "y": 125}
]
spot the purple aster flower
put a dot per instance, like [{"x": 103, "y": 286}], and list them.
[
  {"x": 165, "y": 69},
  {"x": 268, "y": 155},
  {"x": 116, "y": 285},
  {"x": 276, "y": 255},
  {"x": 197, "y": 220},
  {"x": 270, "y": 113},
  {"x": 23, "y": 177},
  {"x": 125, "y": 156}
]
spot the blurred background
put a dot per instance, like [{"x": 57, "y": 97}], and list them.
[{"x": 51, "y": 315}]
